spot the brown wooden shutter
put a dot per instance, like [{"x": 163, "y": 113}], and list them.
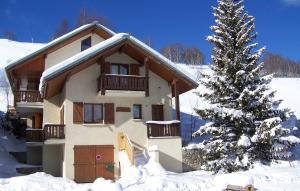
[
  {"x": 107, "y": 68},
  {"x": 157, "y": 112},
  {"x": 134, "y": 69},
  {"x": 109, "y": 113},
  {"x": 77, "y": 112}
]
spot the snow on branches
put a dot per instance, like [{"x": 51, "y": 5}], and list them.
[{"x": 246, "y": 124}]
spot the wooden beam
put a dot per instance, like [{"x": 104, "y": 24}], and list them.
[
  {"x": 146, "y": 61},
  {"x": 122, "y": 48},
  {"x": 176, "y": 93}
]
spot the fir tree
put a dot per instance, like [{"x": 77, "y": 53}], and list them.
[{"x": 245, "y": 120}]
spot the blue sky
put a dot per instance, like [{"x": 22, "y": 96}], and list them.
[{"x": 164, "y": 22}]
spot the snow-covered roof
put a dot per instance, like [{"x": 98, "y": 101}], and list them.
[
  {"x": 57, "y": 41},
  {"x": 94, "y": 50}
]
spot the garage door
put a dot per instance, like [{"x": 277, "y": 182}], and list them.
[{"x": 93, "y": 161}]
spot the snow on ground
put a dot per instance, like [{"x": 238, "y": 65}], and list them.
[
  {"x": 8, "y": 163},
  {"x": 152, "y": 177}
]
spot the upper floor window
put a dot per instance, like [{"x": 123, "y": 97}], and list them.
[
  {"x": 86, "y": 43},
  {"x": 137, "y": 111},
  {"x": 120, "y": 69},
  {"x": 93, "y": 113}
]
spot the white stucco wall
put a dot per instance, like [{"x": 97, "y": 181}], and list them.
[
  {"x": 82, "y": 87},
  {"x": 170, "y": 152},
  {"x": 69, "y": 50}
]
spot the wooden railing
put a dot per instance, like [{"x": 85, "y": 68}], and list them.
[
  {"x": 34, "y": 135},
  {"x": 163, "y": 128},
  {"x": 50, "y": 131},
  {"x": 122, "y": 82},
  {"x": 28, "y": 96},
  {"x": 53, "y": 131},
  {"x": 125, "y": 144}
]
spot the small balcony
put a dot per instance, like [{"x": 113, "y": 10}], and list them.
[
  {"x": 28, "y": 96},
  {"x": 129, "y": 83},
  {"x": 163, "y": 129},
  {"x": 50, "y": 131}
]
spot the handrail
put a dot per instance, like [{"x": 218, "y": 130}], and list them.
[
  {"x": 163, "y": 128},
  {"x": 125, "y": 144},
  {"x": 28, "y": 96},
  {"x": 122, "y": 82},
  {"x": 49, "y": 131}
]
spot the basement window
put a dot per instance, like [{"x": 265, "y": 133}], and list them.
[{"x": 86, "y": 43}]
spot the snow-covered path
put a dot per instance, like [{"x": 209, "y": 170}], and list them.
[{"x": 8, "y": 163}]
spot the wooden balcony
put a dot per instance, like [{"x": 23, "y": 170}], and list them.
[
  {"x": 50, "y": 131},
  {"x": 53, "y": 131},
  {"x": 28, "y": 96},
  {"x": 34, "y": 135},
  {"x": 163, "y": 128},
  {"x": 123, "y": 83}
]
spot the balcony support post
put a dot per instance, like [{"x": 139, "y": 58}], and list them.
[
  {"x": 146, "y": 63},
  {"x": 101, "y": 62},
  {"x": 176, "y": 95}
]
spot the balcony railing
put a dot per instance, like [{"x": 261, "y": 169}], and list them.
[
  {"x": 122, "y": 82},
  {"x": 34, "y": 135},
  {"x": 28, "y": 96},
  {"x": 50, "y": 131},
  {"x": 163, "y": 128}
]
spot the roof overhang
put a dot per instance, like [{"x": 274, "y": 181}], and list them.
[
  {"x": 53, "y": 79},
  {"x": 57, "y": 44}
]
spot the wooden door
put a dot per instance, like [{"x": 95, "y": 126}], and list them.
[
  {"x": 158, "y": 112},
  {"x": 105, "y": 161},
  {"x": 93, "y": 161}
]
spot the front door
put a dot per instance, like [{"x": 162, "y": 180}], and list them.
[
  {"x": 158, "y": 112},
  {"x": 93, "y": 161}
]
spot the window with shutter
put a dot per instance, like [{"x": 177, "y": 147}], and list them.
[
  {"x": 93, "y": 113},
  {"x": 109, "y": 113},
  {"x": 77, "y": 112}
]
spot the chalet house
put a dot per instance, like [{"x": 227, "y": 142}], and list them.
[{"x": 91, "y": 93}]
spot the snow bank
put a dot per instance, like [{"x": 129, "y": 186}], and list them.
[
  {"x": 222, "y": 181},
  {"x": 100, "y": 184},
  {"x": 163, "y": 122}
]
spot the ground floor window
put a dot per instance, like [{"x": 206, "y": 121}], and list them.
[{"x": 93, "y": 113}]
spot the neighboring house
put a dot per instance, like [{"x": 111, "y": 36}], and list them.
[{"x": 91, "y": 93}]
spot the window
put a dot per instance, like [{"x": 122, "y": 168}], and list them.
[
  {"x": 120, "y": 69},
  {"x": 137, "y": 111},
  {"x": 93, "y": 113},
  {"x": 86, "y": 43}
]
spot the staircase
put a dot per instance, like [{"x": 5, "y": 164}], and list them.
[{"x": 141, "y": 157}]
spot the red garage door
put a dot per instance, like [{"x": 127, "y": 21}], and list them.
[{"x": 93, "y": 161}]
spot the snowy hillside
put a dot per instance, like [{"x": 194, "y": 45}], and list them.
[
  {"x": 11, "y": 50},
  {"x": 288, "y": 90}
]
